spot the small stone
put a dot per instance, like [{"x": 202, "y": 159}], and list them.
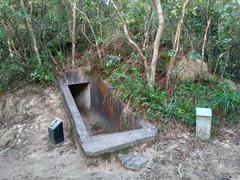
[
  {"x": 19, "y": 141},
  {"x": 227, "y": 146},
  {"x": 143, "y": 147},
  {"x": 94, "y": 163},
  {"x": 134, "y": 161},
  {"x": 225, "y": 177},
  {"x": 231, "y": 85}
]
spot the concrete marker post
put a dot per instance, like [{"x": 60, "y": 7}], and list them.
[{"x": 203, "y": 123}]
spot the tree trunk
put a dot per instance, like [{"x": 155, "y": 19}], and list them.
[
  {"x": 156, "y": 45},
  {"x": 148, "y": 21},
  {"x": 91, "y": 28},
  {"x": 176, "y": 42},
  {"x": 205, "y": 37},
  {"x": 16, "y": 38},
  {"x": 74, "y": 5},
  {"x": 31, "y": 31}
]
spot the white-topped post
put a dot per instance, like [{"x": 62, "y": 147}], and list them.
[{"x": 203, "y": 123}]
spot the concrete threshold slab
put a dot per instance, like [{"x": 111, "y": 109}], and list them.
[{"x": 95, "y": 96}]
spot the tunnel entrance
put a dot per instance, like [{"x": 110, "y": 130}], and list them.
[{"x": 101, "y": 122}]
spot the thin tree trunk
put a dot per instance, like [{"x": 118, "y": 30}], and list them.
[
  {"x": 147, "y": 29},
  {"x": 74, "y": 5},
  {"x": 31, "y": 31},
  {"x": 18, "y": 42},
  {"x": 9, "y": 49},
  {"x": 176, "y": 42},
  {"x": 69, "y": 23},
  {"x": 91, "y": 27},
  {"x": 132, "y": 43},
  {"x": 209, "y": 19},
  {"x": 205, "y": 37},
  {"x": 150, "y": 70},
  {"x": 8, "y": 40},
  {"x": 151, "y": 81}
]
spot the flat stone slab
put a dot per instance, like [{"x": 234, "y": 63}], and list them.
[
  {"x": 95, "y": 145},
  {"x": 134, "y": 161},
  {"x": 106, "y": 143}
]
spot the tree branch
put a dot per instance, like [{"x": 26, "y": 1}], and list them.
[
  {"x": 205, "y": 37},
  {"x": 176, "y": 42},
  {"x": 91, "y": 27},
  {"x": 132, "y": 43},
  {"x": 147, "y": 28},
  {"x": 29, "y": 26}
]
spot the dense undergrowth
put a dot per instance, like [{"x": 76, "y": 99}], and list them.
[
  {"x": 155, "y": 104},
  {"x": 12, "y": 73}
]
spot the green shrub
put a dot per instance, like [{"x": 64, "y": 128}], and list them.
[
  {"x": 13, "y": 72},
  {"x": 41, "y": 73},
  {"x": 227, "y": 102},
  {"x": 10, "y": 71}
]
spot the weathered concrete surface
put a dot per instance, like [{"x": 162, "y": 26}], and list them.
[
  {"x": 83, "y": 99},
  {"x": 73, "y": 113},
  {"x": 103, "y": 102},
  {"x": 203, "y": 123},
  {"x": 106, "y": 143}
]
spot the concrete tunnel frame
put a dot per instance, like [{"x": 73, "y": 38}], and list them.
[{"x": 95, "y": 145}]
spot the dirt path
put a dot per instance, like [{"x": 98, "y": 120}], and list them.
[
  {"x": 180, "y": 156},
  {"x": 26, "y": 154}
]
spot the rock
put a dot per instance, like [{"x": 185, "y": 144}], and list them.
[
  {"x": 225, "y": 145},
  {"x": 143, "y": 147},
  {"x": 187, "y": 69},
  {"x": 231, "y": 85},
  {"x": 134, "y": 161},
  {"x": 225, "y": 177},
  {"x": 8, "y": 137}
]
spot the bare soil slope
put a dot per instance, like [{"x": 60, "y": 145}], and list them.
[{"x": 25, "y": 152}]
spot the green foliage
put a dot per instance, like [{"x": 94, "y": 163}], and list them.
[
  {"x": 13, "y": 72},
  {"x": 155, "y": 104},
  {"x": 223, "y": 35},
  {"x": 41, "y": 73},
  {"x": 133, "y": 89},
  {"x": 193, "y": 55},
  {"x": 10, "y": 71},
  {"x": 50, "y": 22},
  {"x": 228, "y": 102},
  {"x": 112, "y": 59},
  {"x": 125, "y": 150},
  {"x": 224, "y": 102}
]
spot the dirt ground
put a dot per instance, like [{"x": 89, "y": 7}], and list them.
[{"x": 25, "y": 152}]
